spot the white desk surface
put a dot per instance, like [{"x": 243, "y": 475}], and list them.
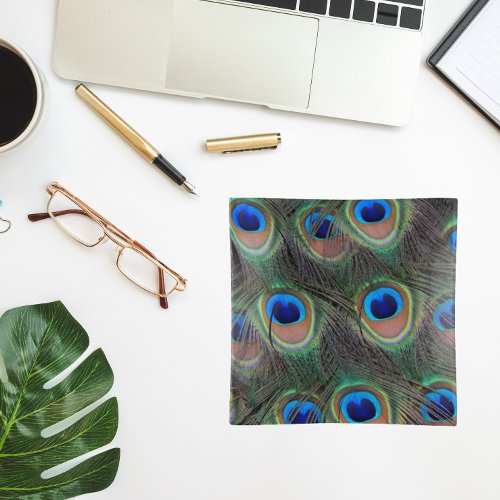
[{"x": 172, "y": 367}]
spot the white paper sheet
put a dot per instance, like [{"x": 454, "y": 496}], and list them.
[{"x": 473, "y": 62}]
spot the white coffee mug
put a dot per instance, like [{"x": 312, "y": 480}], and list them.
[{"x": 40, "y": 96}]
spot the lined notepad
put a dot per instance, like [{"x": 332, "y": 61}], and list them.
[{"x": 473, "y": 62}]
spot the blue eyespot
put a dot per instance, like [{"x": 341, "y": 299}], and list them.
[
  {"x": 238, "y": 331},
  {"x": 444, "y": 315},
  {"x": 372, "y": 211},
  {"x": 301, "y": 412},
  {"x": 452, "y": 241},
  {"x": 248, "y": 218},
  {"x": 439, "y": 405},
  {"x": 382, "y": 303},
  {"x": 320, "y": 226},
  {"x": 285, "y": 309},
  {"x": 360, "y": 406}
]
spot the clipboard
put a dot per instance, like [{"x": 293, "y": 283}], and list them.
[{"x": 446, "y": 44}]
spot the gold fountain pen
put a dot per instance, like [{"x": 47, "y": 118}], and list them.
[{"x": 133, "y": 137}]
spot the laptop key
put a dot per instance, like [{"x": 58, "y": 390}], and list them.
[
  {"x": 410, "y": 18},
  {"x": 340, "y": 8},
  {"x": 280, "y": 4},
  {"x": 387, "y": 14},
  {"x": 364, "y": 10},
  {"x": 417, "y": 3},
  {"x": 313, "y": 6}
]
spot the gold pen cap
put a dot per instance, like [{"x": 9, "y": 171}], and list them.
[{"x": 244, "y": 143}]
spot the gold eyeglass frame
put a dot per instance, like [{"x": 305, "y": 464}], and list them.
[{"x": 117, "y": 236}]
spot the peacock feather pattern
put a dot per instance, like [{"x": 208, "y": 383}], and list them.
[{"x": 343, "y": 311}]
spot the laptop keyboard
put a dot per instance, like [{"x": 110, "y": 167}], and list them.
[{"x": 398, "y": 13}]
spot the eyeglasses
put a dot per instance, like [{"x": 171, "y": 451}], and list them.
[{"x": 89, "y": 228}]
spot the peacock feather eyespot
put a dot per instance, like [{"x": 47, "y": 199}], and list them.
[
  {"x": 450, "y": 236},
  {"x": 246, "y": 349},
  {"x": 372, "y": 211},
  {"x": 382, "y": 303},
  {"x": 238, "y": 329},
  {"x": 444, "y": 315},
  {"x": 285, "y": 309},
  {"x": 439, "y": 406},
  {"x": 320, "y": 226},
  {"x": 322, "y": 234},
  {"x": 251, "y": 224},
  {"x": 248, "y": 218},
  {"x": 452, "y": 241},
  {"x": 386, "y": 312},
  {"x": 361, "y": 404},
  {"x": 296, "y": 408},
  {"x": 375, "y": 221},
  {"x": 298, "y": 412},
  {"x": 287, "y": 319},
  {"x": 360, "y": 407}
]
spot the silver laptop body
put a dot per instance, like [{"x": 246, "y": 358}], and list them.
[{"x": 353, "y": 59}]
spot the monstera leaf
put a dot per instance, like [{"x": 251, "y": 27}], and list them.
[{"x": 39, "y": 426}]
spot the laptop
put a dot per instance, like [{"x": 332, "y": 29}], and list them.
[{"x": 352, "y": 59}]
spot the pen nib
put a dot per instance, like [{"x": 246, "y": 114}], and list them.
[{"x": 189, "y": 188}]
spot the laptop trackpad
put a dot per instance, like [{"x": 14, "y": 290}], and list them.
[{"x": 241, "y": 53}]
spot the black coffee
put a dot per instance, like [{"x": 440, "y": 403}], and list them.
[{"x": 18, "y": 96}]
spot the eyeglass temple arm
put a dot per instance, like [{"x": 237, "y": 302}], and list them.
[
  {"x": 73, "y": 211},
  {"x": 46, "y": 215},
  {"x": 161, "y": 277}
]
